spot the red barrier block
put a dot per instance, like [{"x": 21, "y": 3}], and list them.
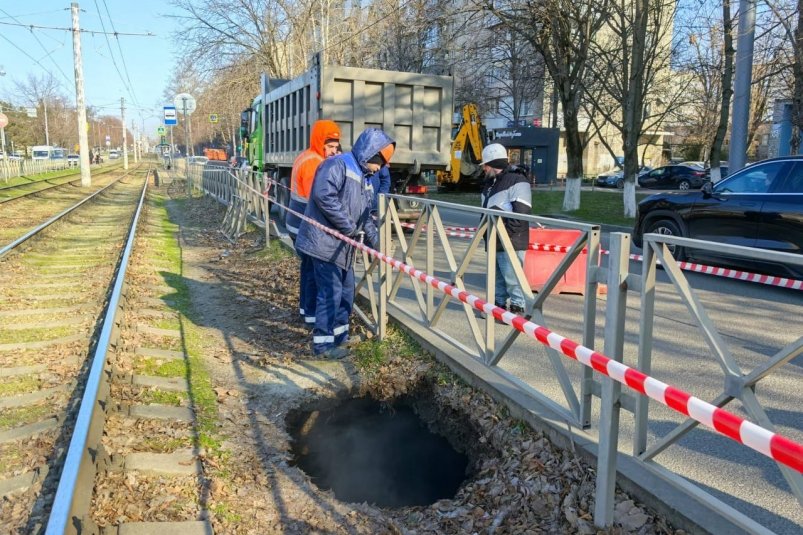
[{"x": 539, "y": 265}]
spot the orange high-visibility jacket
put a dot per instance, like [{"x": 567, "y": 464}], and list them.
[{"x": 307, "y": 162}]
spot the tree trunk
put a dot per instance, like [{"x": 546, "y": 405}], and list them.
[
  {"x": 727, "y": 92},
  {"x": 629, "y": 196},
  {"x": 574, "y": 158}
]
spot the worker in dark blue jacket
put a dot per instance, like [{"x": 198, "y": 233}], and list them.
[
  {"x": 342, "y": 199},
  {"x": 381, "y": 184}
]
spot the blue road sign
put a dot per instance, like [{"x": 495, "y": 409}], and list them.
[{"x": 171, "y": 118}]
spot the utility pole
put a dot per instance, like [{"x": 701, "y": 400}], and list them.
[
  {"x": 187, "y": 150},
  {"x": 135, "y": 140},
  {"x": 125, "y": 141},
  {"x": 44, "y": 102},
  {"x": 737, "y": 153},
  {"x": 83, "y": 142},
  {"x": 3, "y": 139}
]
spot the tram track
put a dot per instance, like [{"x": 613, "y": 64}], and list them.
[
  {"x": 26, "y": 212},
  {"x": 32, "y": 187},
  {"x": 51, "y": 296}
]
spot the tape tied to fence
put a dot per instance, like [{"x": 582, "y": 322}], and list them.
[{"x": 773, "y": 445}]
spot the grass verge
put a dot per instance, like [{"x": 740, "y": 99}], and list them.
[{"x": 606, "y": 207}]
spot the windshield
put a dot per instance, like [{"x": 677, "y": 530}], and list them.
[{"x": 40, "y": 154}]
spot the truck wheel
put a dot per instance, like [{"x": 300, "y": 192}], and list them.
[
  {"x": 667, "y": 227},
  {"x": 283, "y": 198}
]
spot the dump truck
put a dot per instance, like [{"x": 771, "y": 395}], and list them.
[{"x": 414, "y": 109}]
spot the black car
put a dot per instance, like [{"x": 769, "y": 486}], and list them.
[
  {"x": 616, "y": 179},
  {"x": 758, "y": 206},
  {"x": 682, "y": 177}
]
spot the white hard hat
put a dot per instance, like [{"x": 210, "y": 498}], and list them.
[{"x": 492, "y": 152}]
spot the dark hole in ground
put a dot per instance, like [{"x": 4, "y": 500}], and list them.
[{"x": 365, "y": 451}]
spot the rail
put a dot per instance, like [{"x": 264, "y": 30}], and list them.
[{"x": 78, "y": 454}]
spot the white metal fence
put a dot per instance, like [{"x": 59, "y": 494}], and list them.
[{"x": 565, "y": 386}]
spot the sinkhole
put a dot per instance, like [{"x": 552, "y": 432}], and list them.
[{"x": 385, "y": 454}]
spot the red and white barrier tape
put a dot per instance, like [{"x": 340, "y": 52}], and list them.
[{"x": 773, "y": 445}]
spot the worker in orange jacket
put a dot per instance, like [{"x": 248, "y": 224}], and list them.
[{"x": 324, "y": 142}]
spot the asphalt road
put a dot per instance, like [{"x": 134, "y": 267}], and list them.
[{"x": 754, "y": 320}]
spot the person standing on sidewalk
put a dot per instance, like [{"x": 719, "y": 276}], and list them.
[
  {"x": 324, "y": 141},
  {"x": 342, "y": 198},
  {"x": 507, "y": 188}
]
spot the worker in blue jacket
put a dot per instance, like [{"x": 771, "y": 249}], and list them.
[
  {"x": 342, "y": 199},
  {"x": 381, "y": 184}
]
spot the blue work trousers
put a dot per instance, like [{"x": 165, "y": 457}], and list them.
[
  {"x": 507, "y": 285},
  {"x": 307, "y": 289},
  {"x": 333, "y": 307}
]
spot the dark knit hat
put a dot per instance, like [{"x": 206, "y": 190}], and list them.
[{"x": 499, "y": 163}]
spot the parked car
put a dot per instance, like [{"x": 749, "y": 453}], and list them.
[
  {"x": 73, "y": 159},
  {"x": 15, "y": 156},
  {"x": 200, "y": 160},
  {"x": 114, "y": 154},
  {"x": 758, "y": 206},
  {"x": 683, "y": 177},
  {"x": 615, "y": 179}
]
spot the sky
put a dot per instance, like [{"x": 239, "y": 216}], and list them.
[{"x": 146, "y": 61}]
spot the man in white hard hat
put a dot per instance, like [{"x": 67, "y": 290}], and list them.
[{"x": 507, "y": 188}]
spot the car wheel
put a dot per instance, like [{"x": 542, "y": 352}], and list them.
[
  {"x": 667, "y": 227},
  {"x": 620, "y": 184},
  {"x": 684, "y": 185}
]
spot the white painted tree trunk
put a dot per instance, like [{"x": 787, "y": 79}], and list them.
[
  {"x": 571, "y": 198},
  {"x": 629, "y": 193},
  {"x": 716, "y": 174}
]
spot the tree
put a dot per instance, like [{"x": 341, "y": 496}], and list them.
[
  {"x": 562, "y": 31},
  {"x": 43, "y": 93},
  {"x": 630, "y": 61}
]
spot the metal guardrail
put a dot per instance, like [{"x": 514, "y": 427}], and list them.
[
  {"x": 429, "y": 248},
  {"x": 78, "y": 454},
  {"x": 17, "y": 168},
  {"x": 736, "y": 383}
]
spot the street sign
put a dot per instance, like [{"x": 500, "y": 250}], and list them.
[
  {"x": 161, "y": 130},
  {"x": 171, "y": 117},
  {"x": 213, "y": 117},
  {"x": 184, "y": 99},
  {"x": 3, "y": 120}
]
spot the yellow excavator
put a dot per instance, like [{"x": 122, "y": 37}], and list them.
[{"x": 469, "y": 138}]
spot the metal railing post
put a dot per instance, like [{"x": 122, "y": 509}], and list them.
[
  {"x": 385, "y": 238},
  {"x": 649, "y": 267},
  {"x": 266, "y": 207},
  {"x": 589, "y": 322},
  {"x": 490, "y": 284},
  {"x": 614, "y": 345},
  {"x": 430, "y": 261}
]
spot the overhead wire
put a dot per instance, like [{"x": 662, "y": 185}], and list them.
[
  {"x": 82, "y": 30},
  {"x": 49, "y": 53},
  {"x": 122, "y": 57},
  {"x": 114, "y": 61}
]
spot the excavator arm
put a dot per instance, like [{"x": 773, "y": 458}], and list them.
[{"x": 467, "y": 147}]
